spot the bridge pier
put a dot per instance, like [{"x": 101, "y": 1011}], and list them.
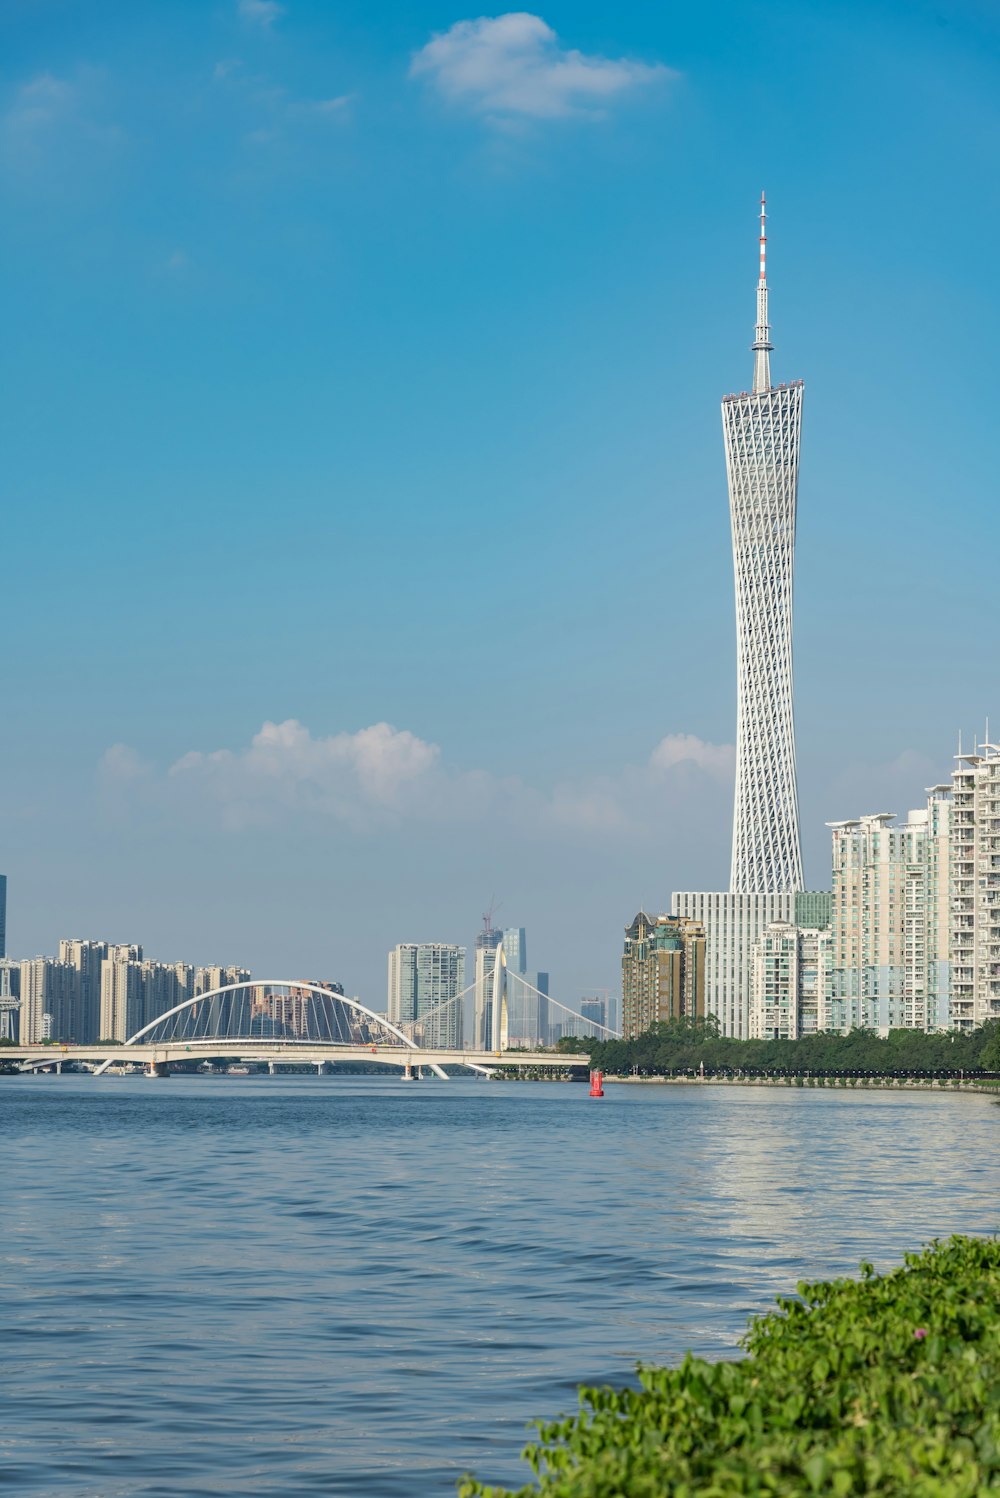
[
  {"x": 158, "y": 1069},
  {"x": 271, "y": 1068}
]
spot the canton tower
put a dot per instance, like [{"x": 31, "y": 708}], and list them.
[{"x": 762, "y": 432}]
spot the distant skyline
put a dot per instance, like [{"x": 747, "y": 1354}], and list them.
[{"x": 365, "y": 503}]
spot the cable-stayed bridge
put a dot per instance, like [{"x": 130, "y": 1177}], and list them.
[{"x": 288, "y": 1021}]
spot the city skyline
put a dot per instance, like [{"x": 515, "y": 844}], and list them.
[{"x": 304, "y": 339}]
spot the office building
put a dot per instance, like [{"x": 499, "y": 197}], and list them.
[
  {"x": 663, "y": 972},
  {"x": 487, "y": 942},
  {"x": 544, "y": 1019},
  {"x": 426, "y": 980},
  {"x": 975, "y": 888},
  {"x": 522, "y": 1000},
  {"x": 791, "y": 976},
  {"x": 595, "y": 1014},
  {"x": 890, "y": 923},
  {"x": 813, "y": 908}
]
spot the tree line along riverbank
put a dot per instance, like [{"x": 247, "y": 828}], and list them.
[{"x": 682, "y": 1048}]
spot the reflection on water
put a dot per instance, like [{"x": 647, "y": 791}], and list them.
[{"x": 301, "y": 1285}]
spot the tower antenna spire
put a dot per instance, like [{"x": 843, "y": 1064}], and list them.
[{"x": 762, "y": 345}]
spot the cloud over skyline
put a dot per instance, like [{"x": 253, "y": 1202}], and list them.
[
  {"x": 382, "y": 776},
  {"x": 515, "y": 66}
]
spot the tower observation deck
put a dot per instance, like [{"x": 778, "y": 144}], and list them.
[{"x": 762, "y": 431}]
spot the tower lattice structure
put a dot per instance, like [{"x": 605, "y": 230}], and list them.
[{"x": 762, "y": 431}]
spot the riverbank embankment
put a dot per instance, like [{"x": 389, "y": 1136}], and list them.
[{"x": 843, "y": 1084}]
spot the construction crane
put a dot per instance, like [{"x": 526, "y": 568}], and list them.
[{"x": 488, "y": 914}]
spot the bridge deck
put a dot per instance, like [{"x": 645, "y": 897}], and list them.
[{"x": 308, "y": 1053}]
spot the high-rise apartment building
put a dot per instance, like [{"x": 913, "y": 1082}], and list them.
[
  {"x": 206, "y": 979},
  {"x": 426, "y": 980},
  {"x": 100, "y": 991},
  {"x": 86, "y": 957},
  {"x": 48, "y": 1000},
  {"x": 761, "y": 431},
  {"x": 889, "y": 954},
  {"x": 123, "y": 1000},
  {"x": 663, "y": 972},
  {"x": 134, "y": 992},
  {"x": 791, "y": 976},
  {"x": 975, "y": 888},
  {"x": 3, "y": 915}
]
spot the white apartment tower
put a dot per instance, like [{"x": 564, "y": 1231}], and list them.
[
  {"x": 761, "y": 430},
  {"x": 49, "y": 1000},
  {"x": 791, "y": 967},
  {"x": 426, "y": 980},
  {"x": 890, "y": 919},
  {"x": 975, "y": 880}
]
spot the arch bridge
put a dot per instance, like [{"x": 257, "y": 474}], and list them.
[{"x": 295, "y": 1022}]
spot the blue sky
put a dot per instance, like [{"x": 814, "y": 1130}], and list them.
[{"x": 362, "y": 366}]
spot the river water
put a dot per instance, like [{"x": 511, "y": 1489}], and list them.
[{"x": 355, "y": 1286}]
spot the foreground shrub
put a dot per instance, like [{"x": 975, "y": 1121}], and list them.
[{"x": 889, "y": 1384}]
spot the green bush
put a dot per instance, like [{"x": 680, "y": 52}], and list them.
[{"x": 886, "y": 1385}]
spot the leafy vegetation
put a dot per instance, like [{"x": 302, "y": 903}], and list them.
[
  {"x": 682, "y": 1047},
  {"x": 889, "y": 1384}
]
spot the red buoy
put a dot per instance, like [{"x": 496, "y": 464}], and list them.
[{"x": 596, "y": 1079}]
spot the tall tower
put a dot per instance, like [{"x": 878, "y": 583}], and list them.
[{"x": 762, "y": 432}]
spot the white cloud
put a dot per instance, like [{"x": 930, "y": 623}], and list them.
[
  {"x": 56, "y": 123},
  {"x": 121, "y": 764},
  {"x": 41, "y": 103},
  {"x": 684, "y": 748},
  {"x": 262, "y": 13},
  {"x": 514, "y": 66},
  {"x": 347, "y": 776},
  {"x": 382, "y": 775},
  {"x": 335, "y": 105}
]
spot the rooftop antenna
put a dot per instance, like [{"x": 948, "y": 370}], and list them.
[{"x": 762, "y": 345}]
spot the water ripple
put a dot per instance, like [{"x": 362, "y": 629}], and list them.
[{"x": 296, "y": 1286}]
